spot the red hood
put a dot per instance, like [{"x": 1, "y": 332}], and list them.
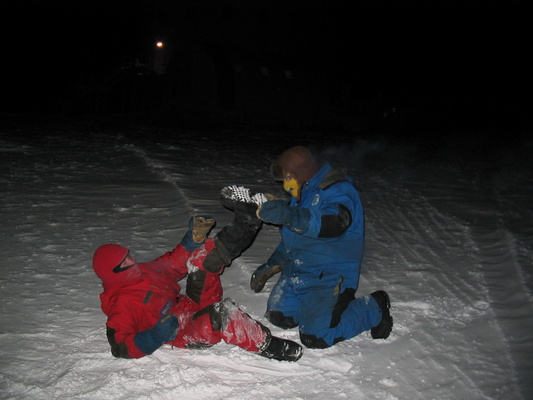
[{"x": 106, "y": 258}]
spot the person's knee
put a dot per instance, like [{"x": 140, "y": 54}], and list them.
[
  {"x": 315, "y": 342},
  {"x": 280, "y": 320},
  {"x": 219, "y": 314}
]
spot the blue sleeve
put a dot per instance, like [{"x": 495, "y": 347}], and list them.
[{"x": 333, "y": 214}]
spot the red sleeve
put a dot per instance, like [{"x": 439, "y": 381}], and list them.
[{"x": 175, "y": 262}]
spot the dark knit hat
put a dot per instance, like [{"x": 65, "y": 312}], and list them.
[{"x": 297, "y": 161}]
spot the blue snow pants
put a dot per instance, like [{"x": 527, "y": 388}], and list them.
[{"x": 326, "y": 312}]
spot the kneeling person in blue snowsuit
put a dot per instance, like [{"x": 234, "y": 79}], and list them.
[{"x": 319, "y": 256}]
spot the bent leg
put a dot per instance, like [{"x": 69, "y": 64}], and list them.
[
  {"x": 361, "y": 314},
  {"x": 283, "y": 305},
  {"x": 225, "y": 321},
  {"x": 221, "y": 321}
]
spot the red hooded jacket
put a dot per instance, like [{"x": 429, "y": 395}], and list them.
[
  {"x": 134, "y": 300},
  {"x": 135, "y": 304}
]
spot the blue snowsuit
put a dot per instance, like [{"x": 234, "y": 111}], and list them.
[{"x": 320, "y": 271}]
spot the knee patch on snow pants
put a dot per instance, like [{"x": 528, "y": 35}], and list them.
[
  {"x": 342, "y": 302},
  {"x": 280, "y": 320},
  {"x": 312, "y": 341},
  {"x": 219, "y": 314},
  {"x": 224, "y": 321}
]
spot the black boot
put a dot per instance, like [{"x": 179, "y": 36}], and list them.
[
  {"x": 281, "y": 349},
  {"x": 384, "y": 328}
]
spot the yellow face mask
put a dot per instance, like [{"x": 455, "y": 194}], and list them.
[{"x": 292, "y": 187}]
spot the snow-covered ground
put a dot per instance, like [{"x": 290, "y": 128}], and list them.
[{"x": 449, "y": 236}]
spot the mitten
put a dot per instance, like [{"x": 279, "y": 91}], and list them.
[
  {"x": 261, "y": 275},
  {"x": 163, "y": 331},
  {"x": 199, "y": 227}
]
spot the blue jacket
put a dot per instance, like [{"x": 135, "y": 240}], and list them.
[{"x": 309, "y": 255}]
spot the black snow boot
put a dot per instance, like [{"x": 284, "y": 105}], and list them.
[
  {"x": 281, "y": 349},
  {"x": 384, "y": 328}
]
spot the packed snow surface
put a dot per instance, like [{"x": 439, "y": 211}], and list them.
[{"x": 449, "y": 235}]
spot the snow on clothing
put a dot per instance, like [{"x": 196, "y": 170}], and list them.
[
  {"x": 204, "y": 318},
  {"x": 320, "y": 273}
]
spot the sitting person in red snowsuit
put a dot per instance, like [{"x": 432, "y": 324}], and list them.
[{"x": 144, "y": 306}]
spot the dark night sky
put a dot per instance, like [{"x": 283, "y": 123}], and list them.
[
  {"x": 51, "y": 45},
  {"x": 455, "y": 56}
]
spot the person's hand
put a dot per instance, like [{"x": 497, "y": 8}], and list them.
[
  {"x": 163, "y": 331},
  {"x": 166, "y": 328},
  {"x": 201, "y": 225},
  {"x": 276, "y": 212},
  {"x": 269, "y": 196},
  {"x": 261, "y": 275}
]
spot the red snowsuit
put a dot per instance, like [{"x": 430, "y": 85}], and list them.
[{"x": 204, "y": 318}]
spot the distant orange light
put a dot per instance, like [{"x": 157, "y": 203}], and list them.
[{"x": 159, "y": 44}]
